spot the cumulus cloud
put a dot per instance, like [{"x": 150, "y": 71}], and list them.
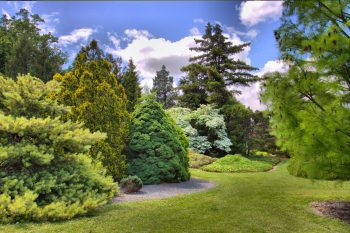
[
  {"x": 251, "y": 95},
  {"x": 77, "y": 35},
  {"x": 149, "y": 53},
  {"x": 254, "y": 12},
  {"x": 195, "y": 31},
  {"x": 50, "y": 21},
  {"x": 137, "y": 34}
]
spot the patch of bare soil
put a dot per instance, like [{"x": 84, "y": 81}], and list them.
[{"x": 334, "y": 209}]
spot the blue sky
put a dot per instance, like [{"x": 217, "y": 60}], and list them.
[{"x": 156, "y": 33}]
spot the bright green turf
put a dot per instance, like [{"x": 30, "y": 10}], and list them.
[
  {"x": 238, "y": 163},
  {"x": 241, "y": 202}
]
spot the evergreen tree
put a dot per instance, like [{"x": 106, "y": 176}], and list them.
[
  {"x": 130, "y": 82},
  {"x": 163, "y": 86},
  {"x": 45, "y": 172},
  {"x": 24, "y": 50},
  {"x": 98, "y": 100},
  {"x": 157, "y": 151},
  {"x": 310, "y": 119},
  {"x": 214, "y": 69}
]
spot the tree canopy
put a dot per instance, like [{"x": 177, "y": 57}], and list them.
[
  {"x": 24, "y": 49},
  {"x": 163, "y": 87},
  {"x": 97, "y": 99}
]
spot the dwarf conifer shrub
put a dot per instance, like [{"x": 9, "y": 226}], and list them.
[
  {"x": 45, "y": 173},
  {"x": 157, "y": 151},
  {"x": 131, "y": 184}
]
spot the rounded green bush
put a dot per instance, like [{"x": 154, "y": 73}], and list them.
[
  {"x": 45, "y": 171},
  {"x": 131, "y": 184},
  {"x": 157, "y": 151}
]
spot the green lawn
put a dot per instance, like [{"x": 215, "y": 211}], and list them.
[{"x": 242, "y": 202}]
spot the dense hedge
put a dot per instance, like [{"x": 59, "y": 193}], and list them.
[
  {"x": 45, "y": 173},
  {"x": 157, "y": 151}
]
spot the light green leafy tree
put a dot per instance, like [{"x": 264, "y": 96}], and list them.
[{"x": 205, "y": 128}]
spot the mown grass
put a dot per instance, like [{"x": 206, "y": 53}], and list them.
[
  {"x": 238, "y": 163},
  {"x": 241, "y": 202},
  {"x": 198, "y": 160}
]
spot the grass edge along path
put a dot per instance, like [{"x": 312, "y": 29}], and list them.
[{"x": 241, "y": 202}]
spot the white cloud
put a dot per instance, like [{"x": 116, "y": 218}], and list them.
[
  {"x": 50, "y": 20},
  {"x": 4, "y": 12},
  {"x": 114, "y": 39},
  {"x": 77, "y": 35},
  {"x": 195, "y": 31},
  {"x": 137, "y": 34},
  {"x": 149, "y": 54},
  {"x": 254, "y": 12},
  {"x": 199, "y": 20},
  {"x": 17, "y": 5},
  {"x": 251, "y": 95}
]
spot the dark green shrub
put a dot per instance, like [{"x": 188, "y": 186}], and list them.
[
  {"x": 131, "y": 184},
  {"x": 45, "y": 172},
  {"x": 157, "y": 151},
  {"x": 199, "y": 160}
]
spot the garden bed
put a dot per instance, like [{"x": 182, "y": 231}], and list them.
[{"x": 333, "y": 209}]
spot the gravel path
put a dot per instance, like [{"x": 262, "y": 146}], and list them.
[{"x": 166, "y": 190}]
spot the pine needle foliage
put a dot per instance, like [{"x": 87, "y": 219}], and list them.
[
  {"x": 45, "y": 171},
  {"x": 157, "y": 150},
  {"x": 97, "y": 99}
]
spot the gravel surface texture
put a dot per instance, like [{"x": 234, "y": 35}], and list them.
[{"x": 166, "y": 190}]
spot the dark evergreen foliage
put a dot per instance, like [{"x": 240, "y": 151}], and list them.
[{"x": 157, "y": 150}]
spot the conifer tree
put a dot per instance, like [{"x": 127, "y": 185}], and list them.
[
  {"x": 24, "y": 49},
  {"x": 163, "y": 86},
  {"x": 45, "y": 171},
  {"x": 130, "y": 82},
  {"x": 98, "y": 100},
  {"x": 157, "y": 151},
  {"x": 214, "y": 69}
]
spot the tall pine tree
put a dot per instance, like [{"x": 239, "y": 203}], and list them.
[
  {"x": 214, "y": 69},
  {"x": 129, "y": 80},
  {"x": 163, "y": 86}
]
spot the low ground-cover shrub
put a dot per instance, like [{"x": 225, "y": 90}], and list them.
[
  {"x": 237, "y": 163},
  {"x": 131, "y": 184},
  {"x": 199, "y": 160}
]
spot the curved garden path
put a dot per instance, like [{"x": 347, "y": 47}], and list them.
[{"x": 166, "y": 190}]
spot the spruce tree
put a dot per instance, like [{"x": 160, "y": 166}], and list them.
[
  {"x": 214, "y": 69},
  {"x": 163, "y": 87},
  {"x": 157, "y": 151},
  {"x": 130, "y": 82},
  {"x": 98, "y": 100},
  {"x": 45, "y": 170}
]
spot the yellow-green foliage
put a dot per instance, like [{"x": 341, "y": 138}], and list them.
[
  {"x": 45, "y": 172},
  {"x": 157, "y": 151},
  {"x": 237, "y": 163},
  {"x": 98, "y": 100},
  {"x": 199, "y": 160}
]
